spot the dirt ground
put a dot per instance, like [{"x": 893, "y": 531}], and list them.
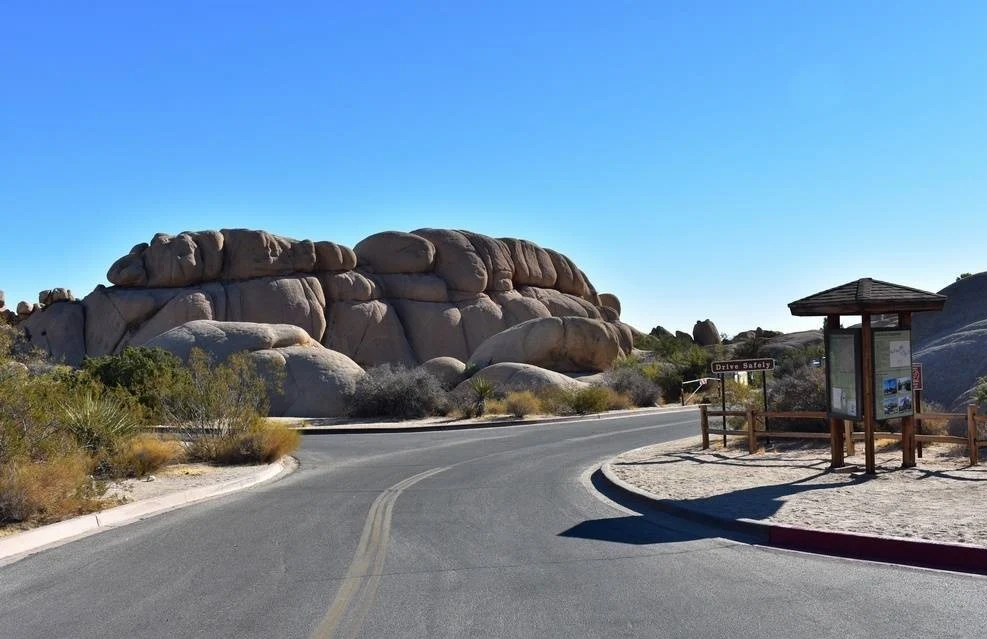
[{"x": 943, "y": 499}]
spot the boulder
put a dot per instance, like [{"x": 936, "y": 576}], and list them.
[
  {"x": 704, "y": 333},
  {"x": 395, "y": 252},
  {"x": 295, "y": 300},
  {"x": 249, "y": 254},
  {"x": 661, "y": 331},
  {"x": 456, "y": 260},
  {"x": 556, "y": 343},
  {"x": 423, "y": 287},
  {"x": 349, "y": 286},
  {"x": 315, "y": 380},
  {"x": 50, "y": 296},
  {"x": 448, "y": 370},
  {"x": 496, "y": 260},
  {"x": 60, "y": 331},
  {"x": 24, "y": 309},
  {"x": 332, "y": 257},
  {"x": 511, "y": 376},
  {"x": 370, "y": 333},
  {"x": 129, "y": 269},
  {"x": 609, "y": 300},
  {"x": 222, "y": 339},
  {"x": 8, "y": 315},
  {"x": 434, "y": 329},
  {"x": 3, "y": 300},
  {"x": 561, "y": 304},
  {"x": 685, "y": 337},
  {"x": 570, "y": 279},
  {"x": 533, "y": 265},
  {"x": 183, "y": 259},
  {"x": 517, "y": 308}
]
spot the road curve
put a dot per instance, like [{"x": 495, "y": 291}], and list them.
[{"x": 491, "y": 533}]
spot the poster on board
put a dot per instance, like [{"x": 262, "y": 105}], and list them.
[
  {"x": 893, "y": 393},
  {"x": 843, "y": 377}
]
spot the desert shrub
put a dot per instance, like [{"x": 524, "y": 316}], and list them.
[
  {"x": 594, "y": 399},
  {"x": 496, "y": 406},
  {"x": 46, "y": 491},
  {"x": 804, "y": 390},
  {"x": 633, "y": 382},
  {"x": 553, "y": 400},
  {"x": 99, "y": 421},
  {"x": 262, "y": 443},
  {"x": 396, "y": 391},
  {"x": 144, "y": 454},
  {"x": 521, "y": 403},
  {"x": 483, "y": 391},
  {"x": 618, "y": 401},
  {"x": 226, "y": 398},
  {"x": 145, "y": 373}
]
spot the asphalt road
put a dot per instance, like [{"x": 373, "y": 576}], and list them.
[{"x": 487, "y": 533}]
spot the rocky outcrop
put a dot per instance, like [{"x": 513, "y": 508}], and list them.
[
  {"x": 58, "y": 328},
  {"x": 314, "y": 381},
  {"x": 704, "y": 333},
  {"x": 951, "y": 345},
  {"x": 557, "y": 343},
  {"x": 400, "y": 298}
]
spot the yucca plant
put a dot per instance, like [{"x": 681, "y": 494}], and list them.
[
  {"x": 97, "y": 422},
  {"x": 483, "y": 389}
]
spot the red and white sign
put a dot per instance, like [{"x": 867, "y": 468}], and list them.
[{"x": 916, "y": 377}]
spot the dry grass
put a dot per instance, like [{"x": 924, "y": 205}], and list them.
[
  {"x": 48, "y": 491},
  {"x": 263, "y": 443},
  {"x": 522, "y": 403},
  {"x": 145, "y": 454}
]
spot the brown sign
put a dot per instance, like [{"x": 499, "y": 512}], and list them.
[
  {"x": 916, "y": 377},
  {"x": 743, "y": 365}
]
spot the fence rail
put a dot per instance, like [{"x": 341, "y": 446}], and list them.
[{"x": 751, "y": 432}]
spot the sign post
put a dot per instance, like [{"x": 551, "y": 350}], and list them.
[{"x": 762, "y": 364}]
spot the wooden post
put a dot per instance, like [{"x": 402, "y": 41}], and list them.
[
  {"x": 971, "y": 434},
  {"x": 751, "y": 433},
  {"x": 907, "y": 423},
  {"x": 848, "y": 437},
  {"x": 704, "y": 424},
  {"x": 836, "y": 442},
  {"x": 918, "y": 422},
  {"x": 723, "y": 407},
  {"x": 867, "y": 360}
]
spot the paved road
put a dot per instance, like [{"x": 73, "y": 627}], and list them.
[{"x": 490, "y": 533}]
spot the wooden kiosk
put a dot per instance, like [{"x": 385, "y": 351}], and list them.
[{"x": 857, "y": 358}]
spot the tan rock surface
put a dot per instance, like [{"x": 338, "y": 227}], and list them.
[{"x": 395, "y": 252}]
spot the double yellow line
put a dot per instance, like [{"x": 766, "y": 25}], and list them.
[{"x": 356, "y": 594}]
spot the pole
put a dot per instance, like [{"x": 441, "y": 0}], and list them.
[
  {"x": 867, "y": 345},
  {"x": 764, "y": 394},
  {"x": 918, "y": 421},
  {"x": 723, "y": 405},
  {"x": 704, "y": 424}
]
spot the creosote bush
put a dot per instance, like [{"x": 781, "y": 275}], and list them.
[
  {"x": 399, "y": 392},
  {"x": 594, "y": 399},
  {"x": 635, "y": 383},
  {"x": 148, "y": 374}
]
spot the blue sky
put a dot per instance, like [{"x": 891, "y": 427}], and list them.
[{"x": 698, "y": 159}]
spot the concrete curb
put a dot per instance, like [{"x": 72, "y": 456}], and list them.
[
  {"x": 38, "y": 538},
  {"x": 897, "y": 550},
  {"x": 424, "y": 428}
]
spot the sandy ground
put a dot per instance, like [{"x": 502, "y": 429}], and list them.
[{"x": 943, "y": 499}]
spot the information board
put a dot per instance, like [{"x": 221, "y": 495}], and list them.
[
  {"x": 893, "y": 374},
  {"x": 843, "y": 377}
]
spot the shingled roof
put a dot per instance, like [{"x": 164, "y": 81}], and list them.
[{"x": 867, "y": 295}]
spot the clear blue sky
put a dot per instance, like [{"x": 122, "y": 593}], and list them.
[{"x": 698, "y": 159}]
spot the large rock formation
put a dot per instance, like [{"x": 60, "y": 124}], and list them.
[
  {"x": 401, "y": 298},
  {"x": 951, "y": 345},
  {"x": 704, "y": 333},
  {"x": 315, "y": 380}
]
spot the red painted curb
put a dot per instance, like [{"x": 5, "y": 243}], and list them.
[{"x": 914, "y": 552}]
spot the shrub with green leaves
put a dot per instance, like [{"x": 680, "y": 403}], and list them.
[
  {"x": 146, "y": 373},
  {"x": 595, "y": 399},
  {"x": 398, "y": 392},
  {"x": 99, "y": 421}
]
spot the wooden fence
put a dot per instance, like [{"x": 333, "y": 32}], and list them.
[{"x": 753, "y": 428}]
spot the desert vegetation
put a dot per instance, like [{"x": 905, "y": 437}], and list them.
[{"x": 65, "y": 433}]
